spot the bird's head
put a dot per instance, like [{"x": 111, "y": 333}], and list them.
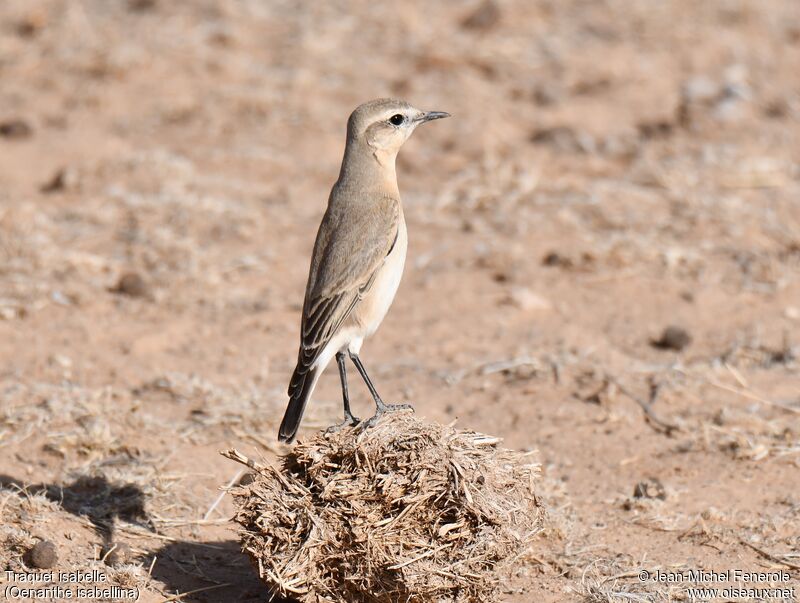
[{"x": 385, "y": 124}]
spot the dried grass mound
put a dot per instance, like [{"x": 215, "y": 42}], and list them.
[{"x": 406, "y": 511}]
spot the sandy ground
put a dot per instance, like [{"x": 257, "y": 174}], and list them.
[{"x": 611, "y": 168}]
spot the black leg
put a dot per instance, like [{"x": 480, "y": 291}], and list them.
[
  {"x": 348, "y": 416},
  {"x": 349, "y": 419},
  {"x": 380, "y": 406}
]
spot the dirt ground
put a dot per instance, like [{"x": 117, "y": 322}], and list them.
[{"x": 612, "y": 168}]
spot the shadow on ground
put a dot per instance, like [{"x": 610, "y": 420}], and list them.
[
  {"x": 210, "y": 572},
  {"x": 93, "y": 497},
  {"x": 219, "y": 568}
]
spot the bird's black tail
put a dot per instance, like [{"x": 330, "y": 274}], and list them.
[{"x": 300, "y": 387}]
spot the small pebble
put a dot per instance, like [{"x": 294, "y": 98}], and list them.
[
  {"x": 525, "y": 299},
  {"x": 63, "y": 179},
  {"x": 132, "y": 284},
  {"x": 31, "y": 24},
  {"x": 777, "y": 108},
  {"x": 141, "y": 5},
  {"x": 15, "y": 129},
  {"x": 659, "y": 128},
  {"x": 672, "y": 338},
  {"x": 650, "y": 488},
  {"x": 484, "y": 17},
  {"x": 43, "y": 555},
  {"x": 554, "y": 258}
]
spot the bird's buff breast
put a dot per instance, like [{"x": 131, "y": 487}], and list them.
[{"x": 371, "y": 310}]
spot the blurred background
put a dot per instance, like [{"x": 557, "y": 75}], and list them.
[{"x": 603, "y": 266}]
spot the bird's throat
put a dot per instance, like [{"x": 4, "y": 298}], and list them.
[{"x": 373, "y": 169}]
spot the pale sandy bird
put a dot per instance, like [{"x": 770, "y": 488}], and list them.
[{"x": 358, "y": 256}]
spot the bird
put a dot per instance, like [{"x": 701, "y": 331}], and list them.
[{"x": 358, "y": 257}]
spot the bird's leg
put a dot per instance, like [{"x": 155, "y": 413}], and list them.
[
  {"x": 349, "y": 419},
  {"x": 348, "y": 416},
  {"x": 380, "y": 406}
]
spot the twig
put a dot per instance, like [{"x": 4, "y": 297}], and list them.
[
  {"x": 419, "y": 557},
  {"x": 751, "y": 396},
  {"x": 556, "y": 369},
  {"x": 222, "y": 494},
  {"x": 141, "y": 533},
  {"x": 622, "y": 575},
  {"x": 736, "y": 374},
  {"x": 108, "y": 552},
  {"x": 769, "y": 556},
  {"x": 237, "y": 456},
  {"x": 506, "y": 365},
  {"x": 647, "y": 407},
  {"x": 180, "y": 596},
  {"x": 178, "y": 521}
]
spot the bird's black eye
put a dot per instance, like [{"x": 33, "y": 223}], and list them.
[{"x": 397, "y": 120}]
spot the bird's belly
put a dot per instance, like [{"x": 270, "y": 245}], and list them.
[{"x": 370, "y": 311}]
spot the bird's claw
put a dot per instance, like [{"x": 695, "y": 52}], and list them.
[
  {"x": 383, "y": 409},
  {"x": 396, "y": 407},
  {"x": 349, "y": 421}
]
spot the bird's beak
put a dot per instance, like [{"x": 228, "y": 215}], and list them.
[{"x": 431, "y": 115}]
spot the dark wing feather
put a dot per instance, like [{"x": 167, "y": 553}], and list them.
[{"x": 352, "y": 244}]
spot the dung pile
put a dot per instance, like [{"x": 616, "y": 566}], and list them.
[{"x": 406, "y": 511}]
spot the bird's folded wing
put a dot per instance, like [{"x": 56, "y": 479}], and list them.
[{"x": 351, "y": 246}]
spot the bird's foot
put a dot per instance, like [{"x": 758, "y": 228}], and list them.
[
  {"x": 349, "y": 421},
  {"x": 383, "y": 409}
]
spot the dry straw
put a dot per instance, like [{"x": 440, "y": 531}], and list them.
[{"x": 406, "y": 511}]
